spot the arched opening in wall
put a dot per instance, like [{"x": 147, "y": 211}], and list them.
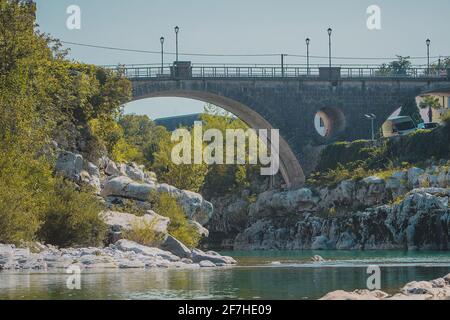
[
  {"x": 422, "y": 112},
  {"x": 329, "y": 122},
  {"x": 288, "y": 165}
]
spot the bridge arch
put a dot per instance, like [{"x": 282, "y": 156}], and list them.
[{"x": 290, "y": 167}]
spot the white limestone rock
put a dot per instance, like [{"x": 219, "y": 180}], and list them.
[{"x": 69, "y": 165}]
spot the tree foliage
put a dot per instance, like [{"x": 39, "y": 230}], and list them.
[
  {"x": 409, "y": 108},
  {"x": 44, "y": 97}
]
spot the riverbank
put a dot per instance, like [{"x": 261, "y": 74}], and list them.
[{"x": 124, "y": 254}]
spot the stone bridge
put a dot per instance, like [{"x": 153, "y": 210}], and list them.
[{"x": 291, "y": 102}]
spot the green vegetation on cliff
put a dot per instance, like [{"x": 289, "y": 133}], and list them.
[
  {"x": 44, "y": 97},
  {"x": 358, "y": 159}
]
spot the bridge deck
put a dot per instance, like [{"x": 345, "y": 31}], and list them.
[{"x": 277, "y": 72}]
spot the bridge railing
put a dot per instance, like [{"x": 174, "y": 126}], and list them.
[{"x": 276, "y": 71}]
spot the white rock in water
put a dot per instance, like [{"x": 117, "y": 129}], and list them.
[
  {"x": 198, "y": 255},
  {"x": 356, "y": 295},
  {"x": 206, "y": 264},
  {"x": 317, "y": 258}
]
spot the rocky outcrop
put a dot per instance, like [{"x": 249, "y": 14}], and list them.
[
  {"x": 72, "y": 166},
  {"x": 230, "y": 218},
  {"x": 119, "y": 223},
  {"x": 419, "y": 221},
  {"x": 123, "y": 254},
  {"x": 438, "y": 289},
  {"x": 126, "y": 190},
  {"x": 196, "y": 208}
]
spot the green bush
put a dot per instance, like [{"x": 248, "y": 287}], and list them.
[
  {"x": 24, "y": 188},
  {"x": 72, "y": 218},
  {"x": 179, "y": 226},
  {"x": 143, "y": 233},
  {"x": 344, "y": 153}
]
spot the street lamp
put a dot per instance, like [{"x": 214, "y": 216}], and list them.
[
  {"x": 371, "y": 117},
  {"x": 177, "y": 29},
  {"x": 282, "y": 63},
  {"x": 307, "y": 55},
  {"x": 162, "y": 54},
  {"x": 329, "y": 45},
  {"x": 428, "y": 42}
]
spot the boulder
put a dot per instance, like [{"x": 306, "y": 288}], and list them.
[
  {"x": 94, "y": 176},
  {"x": 119, "y": 221},
  {"x": 206, "y": 264},
  {"x": 443, "y": 179},
  {"x": 201, "y": 230},
  {"x": 127, "y": 245},
  {"x": 317, "y": 259},
  {"x": 193, "y": 204},
  {"x": 175, "y": 246},
  {"x": 6, "y": 256},
  {"x": 198, "y": 256},
  {"x": 111, "y": 168},
  {"x": 355, "y": 295},
  {"x": 69, "y": 165},
  {"x": 123, "y": 186},
  {"x": 413, "y": 176}
]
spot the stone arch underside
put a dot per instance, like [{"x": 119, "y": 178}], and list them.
[{"x": 290, "y": 167}]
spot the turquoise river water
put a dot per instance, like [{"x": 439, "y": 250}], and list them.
[{"x": 259, "y": 275}]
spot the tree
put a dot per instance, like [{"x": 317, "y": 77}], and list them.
[
  {"x": 397, "y": 67},
  {"x": 409, "y": 108},
  {"x": 183, "y": 176},
  {"x": 431, "y": 103},
  {"x": 400, "y": 66},
  {"x": 44, "y": 97},
  {"x": 142, "y": 133}
]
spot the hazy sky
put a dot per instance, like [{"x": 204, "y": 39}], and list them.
[{"x": 245, "y": 27}]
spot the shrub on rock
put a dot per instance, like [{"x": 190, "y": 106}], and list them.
[{"x": 73, "y": 218}]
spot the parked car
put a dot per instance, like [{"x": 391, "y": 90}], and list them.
[
  {"x": 398, "y": 126},
  {"x": 428, "y": 126}
]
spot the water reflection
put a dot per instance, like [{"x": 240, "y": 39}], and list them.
[{"x": 295, "y": 278}]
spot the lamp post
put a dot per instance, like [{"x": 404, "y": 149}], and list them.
[
  {"x": 282, "y": 64},
  {"x": 428, "y": 42},
  {"x": 330, "y": 31},
  {"x": 371, "y": 117},
  {"x": 307, "y": 55},
  {"x": 177, "y": 29},
  {"x": 162, "y": 54}
]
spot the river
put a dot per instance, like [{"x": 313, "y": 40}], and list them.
[{"x": 259, "y": 275}]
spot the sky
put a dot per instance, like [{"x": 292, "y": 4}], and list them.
[{"x": 244, "y": 27}]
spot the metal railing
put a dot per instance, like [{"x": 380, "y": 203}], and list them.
[{"x": 276, "y": 71}]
